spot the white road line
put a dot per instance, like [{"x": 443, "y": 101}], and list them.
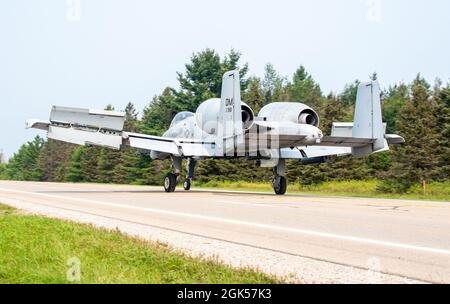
[
  {"x": 249, "y": 224},
  {"x": 250, "y": 204}
]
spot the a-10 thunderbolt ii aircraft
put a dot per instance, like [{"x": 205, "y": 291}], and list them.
[{"x": 227, "y": 128}]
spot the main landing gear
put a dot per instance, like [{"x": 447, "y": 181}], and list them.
[
  {"x": 170, "y": 182},
  {"x": 171, "y": 179},
  {"x": 279, "y": 181}
]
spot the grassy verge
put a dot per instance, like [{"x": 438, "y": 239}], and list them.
[
  {"x": 434, "y": 191},
  {"x": 36, "y": 249}
]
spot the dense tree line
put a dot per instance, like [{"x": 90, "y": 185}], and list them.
[{"x": 417, "y": 111}]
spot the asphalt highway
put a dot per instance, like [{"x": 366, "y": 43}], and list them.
[{"x": 405, "y": 238}]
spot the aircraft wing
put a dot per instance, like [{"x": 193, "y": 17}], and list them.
[
  {"x": 314, "y": 152},
  {"x": 104, "y": 128},
  {"x": 173, "y": 146},
  {"x": 332, "y": 141},
  {"x": 273, "y": 135},
  {"x": 337, "y": 141}
]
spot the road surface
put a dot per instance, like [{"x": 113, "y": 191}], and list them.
[{"x": 409, "y": 239}]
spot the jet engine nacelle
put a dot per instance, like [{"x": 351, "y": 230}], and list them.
[
  {"x": 208, "y": 114},
  {"x": 290, "y": 111}
]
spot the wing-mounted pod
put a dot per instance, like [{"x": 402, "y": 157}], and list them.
[{"x": 83, "y": 126}]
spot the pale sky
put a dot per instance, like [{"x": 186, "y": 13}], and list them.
[{"x": 89, "y": 53}]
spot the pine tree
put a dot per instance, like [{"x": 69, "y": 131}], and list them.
[
  {"x": 159, "y": 113},
  {"x": 89, "y": 164},
  {"x": 304, "y": 89},
  {"x": 3, "y": 171},
  {"x": 253, "y": 96},
  {"x": 128, "y": 170},
  {"x": 203, "y": 78},
  {"x": 443, "y": 125},
  {"x": 55, "y": 159},
  {"x": 131, "y": 118},
  {"x": 273, "y": 86},
  {"x": 394, "y": 99},
  {"x": 131, "y": 166},
  {"x": 75, "y": 173},
  {"x": 416, "y": 160},
  {"x": 2, "y": 166},
  {"x": 106, "y": 161},
  {"x": 24, "y": 164},
  {"x": 332, "y": 110},
  {"x": 348, "y": 96}
]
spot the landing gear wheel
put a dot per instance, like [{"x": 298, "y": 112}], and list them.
[
  {"x": 187, "y": 185},
  {"x": 280, "y": 185},
  {"x": 170, "y": 182}
]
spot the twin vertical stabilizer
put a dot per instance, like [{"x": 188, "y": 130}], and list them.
[
  {"x": 368, "y": 121},
  {"x": 230, "y": 133}
]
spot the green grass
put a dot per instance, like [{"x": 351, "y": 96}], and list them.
[
  {"x": 353, "y": 188},
  {"x": 36, "y": 249}
]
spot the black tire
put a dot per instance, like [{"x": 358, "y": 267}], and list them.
[
  {"x": 280, "y": 185},
  {"x": 187, "y": 184},
  {"x": 170, "y": 182}
]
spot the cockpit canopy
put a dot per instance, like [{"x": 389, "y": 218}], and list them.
[{"x": 181, "y": 116}]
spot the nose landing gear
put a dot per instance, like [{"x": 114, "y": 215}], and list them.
[
  {"x": 190, "y": 169},
  {"x": 187, "y": 184}
]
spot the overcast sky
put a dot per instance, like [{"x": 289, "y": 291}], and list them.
[{"x": 89, "y": 53}]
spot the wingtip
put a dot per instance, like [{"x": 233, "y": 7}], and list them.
[{"x": 37, "y": 124}]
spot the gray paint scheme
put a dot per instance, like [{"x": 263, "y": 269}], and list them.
[{"x": 282, "y": 130}]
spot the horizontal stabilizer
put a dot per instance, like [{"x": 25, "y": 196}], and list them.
[{"x": 394, "y": 139}]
